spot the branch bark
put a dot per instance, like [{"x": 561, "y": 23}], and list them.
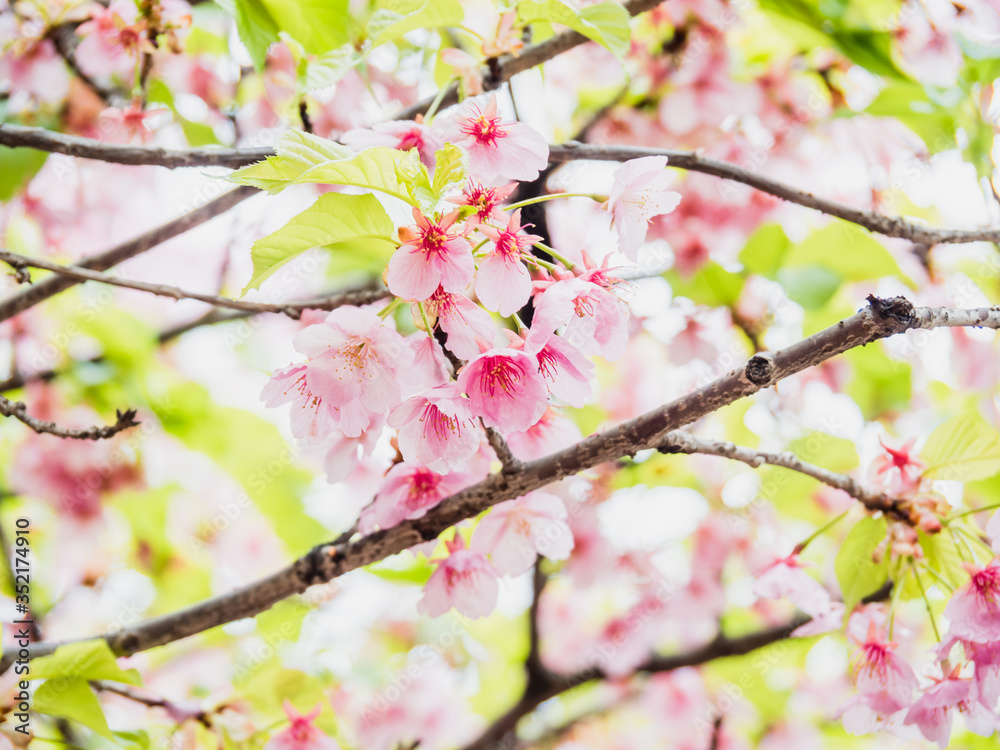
[
  {"x": 21, "y": 301},
  {"x": 291, "y": 309},
  {"x": 19, "y": 411},
  {"x": 16, "y": 136},
  {"x": 880, "y": 319},
  {"x": 685, "y": 442}
]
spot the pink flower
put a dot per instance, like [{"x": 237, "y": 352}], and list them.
[
  {"x": 485, "y": 200},
  {"x": 596, "y": 320},
  {"x": 885, "y": 681},
  {"x": 437, "y": 428},
  {"x": 502, "y": 282},
  {"x": 112, "y": 39},
  {"x": 639, "y": 193},
  {"x": 505, "y": 389},
  {"x": 353, "y": 374},
  {"x": 408, "y": 492},
  {"x": 934, "y": 710},
  {"x": 900, "y": 470},
  {"x": 301, "y": 734},
  {"x": 463, "y": 320},
  {"x": 515, "y": 532},
  {"x": 466, "y": 68},
  {"x": 464, "y": 580},
  {"x": 400, "y": 134},
  {"x": 785, "y": 579},
  {"x": 498, "y": 150},
  {"x": 974, "y": 609},
  {"x": 567, "y": 372},
  {"x": 430, "y": 256},
  {"x": 430, "y": 368},
  {"x": 551, "y": 433},
  {"x": 993, "y": 532}
]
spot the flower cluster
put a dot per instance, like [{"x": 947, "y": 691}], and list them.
[{"x": 437, "y": 389}]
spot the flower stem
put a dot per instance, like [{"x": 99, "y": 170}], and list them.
[
  {"x": 519, "y": 323},
  {"x": 423, "y": 316},
  {"x": 971, "y": 511},
  {"x": 821, "y": 530},
  {"x": 561, "y": 258},
  {"x": 432, "y": 110},
  {"x": 553, "y": 196},
  {"x": 388, "y": 309},
  {"x": 532, "y": 260},
  {"x": 897, "y": 591},
  {"x": 966, "y": 535},
  {"x": 927, "y": 602}
]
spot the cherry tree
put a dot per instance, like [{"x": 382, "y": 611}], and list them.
[{"x": 528, "y": 374}]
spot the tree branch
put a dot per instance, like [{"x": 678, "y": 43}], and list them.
[
  {"x": 880, "y": 319},
  {"x": 19, "y": 411},
  {"x": 21, "y": 301},
  {"x": 511, "y": 464},
  {"x": 291, "y": 309},
  {"x": 685, "y": 442},
  {"x": 16, "y": 136}
]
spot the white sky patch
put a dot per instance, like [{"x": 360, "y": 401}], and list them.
[{"x": 668, "y": 513}]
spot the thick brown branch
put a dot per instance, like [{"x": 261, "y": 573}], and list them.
[
  {"x": 685, "y": 442},
  {"x": 291, "y": 309},
  {"x": 26, "y": 298},
  {"x": 19, "y": 411},
  {"x": 881, "y": 319}
]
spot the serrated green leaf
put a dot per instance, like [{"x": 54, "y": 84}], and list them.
[
  {"x": 72, "y": 698},
  {"x": 325, "y": 70},
  {"x": 88, "y": 660},
  {"x": 257, "y": 29},
  {"x": 305, "y": 158},
  {"x": 449, "y": 170},
  {"x": 318, "y": 25},
  {"x": 394, "y": 18},
  {"x": 334, "y": 218},
  {"x": 606, "y": 23},
  {"x": 963, "y": 449},
  {"x": 858, "y": 573}
]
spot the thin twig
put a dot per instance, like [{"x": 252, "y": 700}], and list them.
[
  {"x": 511, "y": 464},
  {"x": 63, "y": 39},
  {"x": 31, "y": 296},
  {"x": 880, "y": 319},
  {"x": 685, "y": 442},
  {"x": 19, "y": 411},
  {"x": 177, "y": 710},
  {"x": 291, "y": 309}
]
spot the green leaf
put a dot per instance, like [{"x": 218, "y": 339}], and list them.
[
  {"x": 88, "y": 660},
  {"x": 963, "y": 449},
  {"x": 257, "y": 28},
  {"x": 325, "y": 70},
  {"x": 847, "y": 250},
  {"x": 305, "y": 158},
  {"x": 416, "y": 571},
  {"x": 17, "y": 167},
  {"x": 712, "y": 285},
  {"x": 72, "y": 698},
  {"x": 908, "y": 102},
  {"x": 606, "y": 23},
  {"x": 318, "y": 25},
  {"x": 394, "y": 18},
  {"x": 878, "y": 384},
  {"x": 858, "y": 573},
  {"x": 764, "y": 250},
  {"x": 810, "y": 286},
  {"x": 941, "y": 554},
  {"x": 334, "y": 218},
  {"x": 450, "y": 169}
]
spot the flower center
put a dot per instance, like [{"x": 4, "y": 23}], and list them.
[
  {"x": 501, "y": 374},
  {"x": 485, "y": 130}
]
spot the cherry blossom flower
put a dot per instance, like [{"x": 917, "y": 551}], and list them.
[
  {"x": 485, "y": 200},
  {"x": 566, "y": 371},
  {"x": 464, "y": 580},
  {"x": 551, "y": 433},
  {"x": 32, "y": 67},
  {"x": 993, "y": 532},
  {"x": 301, "y": 734},
  {"x": 502, "y": 282},
  {"x": 408, "y": 492},
  {"x": 113, "y": 39},
  {"x": 884, "y": 680},
  {"x": 466, "y": 69},
  {"x": 463, "y": 320},
  {"x": 430, "y": 256},
  {"x": 785, "y": 579},
  {"x": 515, "y": 532},
  {"x": 899, "y": 470},
  {"x": 596, "y": 320},
  {"x": 508, "y": 40},
  {"x": 934, "y": 710},
  {"x": 399, "y": 134},
  {"x": 353, "y": 374},
  {"x": 430, "y": 368},
  {"x": 974, "y": 609},
  {"x": 505, "y": 389},
  {"x": 499, "y": 150},
  {"x": 437, "y": 428},
  {"x": 639, "y": 193}
]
